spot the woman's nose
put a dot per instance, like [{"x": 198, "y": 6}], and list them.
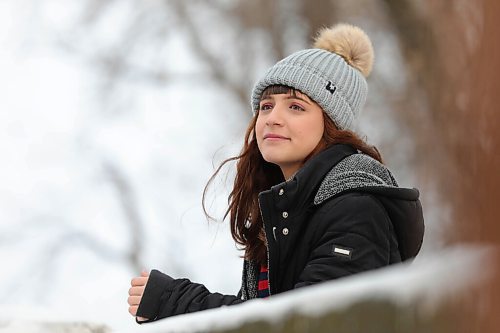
[{"x": 275, "y": 117}]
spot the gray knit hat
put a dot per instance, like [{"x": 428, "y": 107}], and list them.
[{"x": 332, "y": 73}]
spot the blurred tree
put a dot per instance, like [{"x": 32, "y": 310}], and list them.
[
  {"x": 452, "y": 54},
  {"x": 468, "y": 124}
]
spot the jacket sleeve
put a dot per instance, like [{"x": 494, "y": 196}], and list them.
[
  {"x": 354, "y": 235},
  {"x": 165, "y": 297}
]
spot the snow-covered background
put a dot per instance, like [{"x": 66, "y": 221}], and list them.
[{"x": 101, "y": 177}]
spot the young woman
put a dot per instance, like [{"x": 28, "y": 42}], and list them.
[{"x": 311, "y": 200}]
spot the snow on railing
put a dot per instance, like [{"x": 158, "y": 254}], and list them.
[
  {"x": 419, "y": 287},
  {"x": 400, "y": 298}
]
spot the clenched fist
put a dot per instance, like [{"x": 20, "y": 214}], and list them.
[{"x": 138, "y": 284}]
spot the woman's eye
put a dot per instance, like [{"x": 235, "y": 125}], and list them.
[
  {"x": 297, "y": 107},
  {"x": 265, "y": 107}
]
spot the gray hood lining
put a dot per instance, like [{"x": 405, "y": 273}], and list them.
[{"x": 354, "y": 171}]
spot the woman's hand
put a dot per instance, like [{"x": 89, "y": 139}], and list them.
[{"x": 138, "y": 284}]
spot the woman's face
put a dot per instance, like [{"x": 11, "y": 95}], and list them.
[{"x": 288, "y": 129}]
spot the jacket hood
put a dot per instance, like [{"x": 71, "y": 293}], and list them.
[{"x": 361, "y": 173}]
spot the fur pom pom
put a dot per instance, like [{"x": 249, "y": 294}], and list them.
[{"x": 350, "y": 42}]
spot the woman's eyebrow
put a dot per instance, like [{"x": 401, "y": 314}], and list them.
[
  {"x": 297, "y": 97},
  {"x": 269, "y": 97}
]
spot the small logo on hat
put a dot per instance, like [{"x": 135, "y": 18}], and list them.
[{"x": 330, "y": 87}]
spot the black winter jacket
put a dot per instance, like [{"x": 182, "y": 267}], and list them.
[{"x": 341, "y": 214}]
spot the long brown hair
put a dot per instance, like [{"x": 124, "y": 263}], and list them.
[{"x": 254, "y": 175}]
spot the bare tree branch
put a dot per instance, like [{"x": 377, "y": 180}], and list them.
[
  {"x": 128, "y": 202},
  {"x": 200, "y": 48}
]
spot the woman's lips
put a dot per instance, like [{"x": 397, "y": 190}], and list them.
[{"x": 275, "y": 137}]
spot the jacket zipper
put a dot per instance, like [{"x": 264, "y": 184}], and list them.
[{"x": 267, "y": 251}]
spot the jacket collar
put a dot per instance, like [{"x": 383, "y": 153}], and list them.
[{"x": 305, "y": 183}]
